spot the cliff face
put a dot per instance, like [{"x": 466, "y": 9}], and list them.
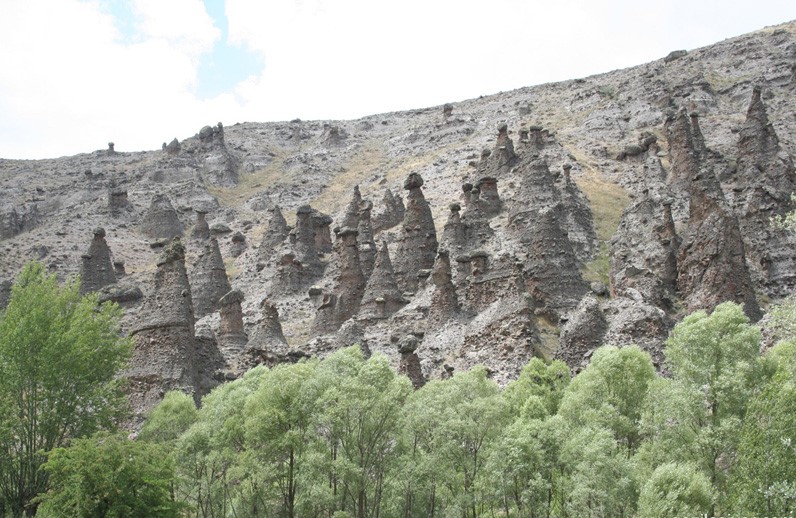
[{"x": 542, "y": 221}]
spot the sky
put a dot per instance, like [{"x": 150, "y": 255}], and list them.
[{"x": 76, "y": 74}]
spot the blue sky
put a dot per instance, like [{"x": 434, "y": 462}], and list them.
[{"x": 75, "y": 74}]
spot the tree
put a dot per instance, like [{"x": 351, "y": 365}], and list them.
[
  {"x": 695, "y": 416},
  {"x": 675, "y": 490},
  {"x": 764, "y": 480},
  {"x": 170, "y": 418},
  {"x": 610, "y": 393},
  {"x": 110, "y": 475},
  {"x": 59, "y": 353}
]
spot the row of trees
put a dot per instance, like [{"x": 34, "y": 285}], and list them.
[{"x": 348, "y": 437}]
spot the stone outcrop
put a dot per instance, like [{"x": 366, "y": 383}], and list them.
[
  {"x": 321, "y": 224},
  {"x": 580, "y": 224},
  {"x": 118, "y": 202},
  {"x": 367, "y": 246},
  {"x": 762, "y": 187},
  {"x": 390, "y": 214},
  {"x": 644, "y": 251},
  {"x": 16, "y": 219},
  {"x": 382, "y": 297},
  {"x": 418, "y": 238},
  {"x": 444, "y": 303},
  {"x": 582, "y": 333},
  {"x": 351, "y": 214},
  {"x": 200, "y": 231},
  {"x": 220, "y": 165},
  {"x": 274, "y": 236},
  {"x": 209, "y": 280},
  {"x": 164, "y": 353},
  {"x": 267, "y": 342},
  {"x": 231, "y": 337},
  {"x": 711, "y": 259},
  {"x": 343, "y": 302},
  {"x": 305, "y": 242},
  {"x": 237, "y": 244},
  {"x": 161, "y": 221},
  {"x": 453, "y": 234},
  {"x": 550, "y": 278},
  {"x": 409, "y": 365},
  {"x": 333, "y": 135},
  {"x": 96, "y": 267},
  {"x": 173, "y": 147}
]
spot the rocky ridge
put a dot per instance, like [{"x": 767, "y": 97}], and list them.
[{"x": 543, "y": 221}]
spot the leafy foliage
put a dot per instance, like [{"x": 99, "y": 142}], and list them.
[
  {"x": 59, "y": 353},
  {"x": 108, "y": 475}
]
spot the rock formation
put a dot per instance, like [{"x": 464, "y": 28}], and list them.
[
  {"x": 209, "y": 280},
  {"x": 200, "y": 230},
  {"x": 321, "y": 227},
  {"x": 267, "y": 339},
  {"x": 390, "y": 213},
  {"x": 96, "y": 268},
  {"x": 711, "y": 260},
  {"x": 118, "y": 201},
  {"x": 644, "y": 251},
  {"x": 220, "y": 165},
  {"x": 418, "y": 238},
  {"x": 231, "y": 337},
  {"x": 453, "y": 234},
  {"x": 382, "y": 297},
  {"x": 444, "y": 304},
  {"x": 410, "y": 362},
  {"x": 305, "y": 245},
  {"x": 164, "y": 356},
  {"x": 762, "y": 186},
  {"x": 161, "y": 221},
  {"x": 343, "y": 302},
  {"x": 274, "y": 236},
  {"x": 367, "y": 246},
  {"x": 581, "y": 333}
]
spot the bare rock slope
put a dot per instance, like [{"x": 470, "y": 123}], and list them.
[{"x": 543, "y": 221}]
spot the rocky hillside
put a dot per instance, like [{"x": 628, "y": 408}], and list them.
[{"x": 538, "y": 222}]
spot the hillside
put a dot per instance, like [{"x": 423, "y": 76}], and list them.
[{"x": 543, "y": 221}]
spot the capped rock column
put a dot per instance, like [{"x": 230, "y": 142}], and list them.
[
  {"x": 164, "y": 353},
  {"x": 418, "y": 239}
]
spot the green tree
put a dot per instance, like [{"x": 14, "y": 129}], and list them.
[
  {"x": 170, "y": 418},
  {"x": 676, "y": 490},
  {"x": 279, "y": 433},
  {"x": 358, "y": 429},
  {"x": 695, "y": 416},
  {"x": 610, "y": 393},
  {"x": 59, "y": 353},
  {"x": 543, "y": 382},
  {"x": 207, "y": 454},
  {"x": 764, "y": 480},
  {"x": 109, "y": 475},
  {"x": 452, "y": 424}
]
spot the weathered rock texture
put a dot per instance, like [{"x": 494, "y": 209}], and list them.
[
  {"x": 711, "y": 260},
  {"x": 418, "y": 238},
  {"x": 209, "y": 280},
  {"x": 274, "y": 236},
  {"x": 343, "y": 302},
  {"x": 267, "y": 340},
  {"x": 390, "y": 214},
  {"x": 164, "y": 354},
  {"x": 96, "y": 268},
  {"x": 161, "y": 221},
  {"x": 762, "y": 186},
  {"x": 200, "y": 230},
  {"x": 382, "y": 297}
]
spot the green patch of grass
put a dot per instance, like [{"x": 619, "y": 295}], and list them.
[{"x": 599, "y": 268}]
